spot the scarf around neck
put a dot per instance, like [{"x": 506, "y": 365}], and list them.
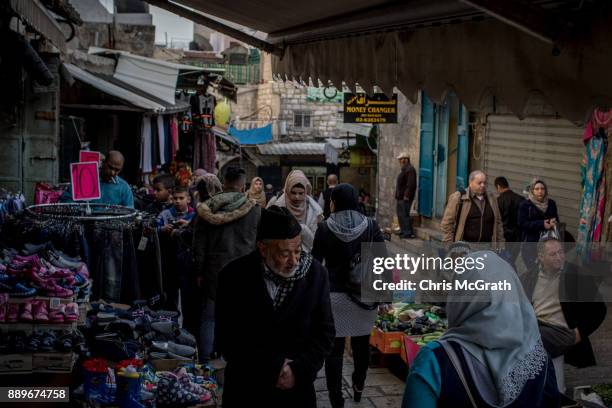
[
  {"x": 285, "y": 284},
  {"x": 347, "y": 225},
  {"x": 541, "y": 205}
]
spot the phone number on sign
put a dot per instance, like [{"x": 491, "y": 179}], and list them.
[{"x": 36, "y": 394}]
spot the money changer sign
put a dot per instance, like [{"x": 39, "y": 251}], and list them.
[{"x": 378, "y": 108}]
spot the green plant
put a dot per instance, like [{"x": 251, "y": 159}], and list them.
[{"x": 604, "y": 391}]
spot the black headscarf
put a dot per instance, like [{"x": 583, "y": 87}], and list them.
[{"x": 345, "y": 197}]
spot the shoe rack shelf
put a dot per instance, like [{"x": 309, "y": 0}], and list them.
[
  {"x": 30, "y": 327},
  {"x": 45, "y": 298},
  {"x": 37, "y": 363}
]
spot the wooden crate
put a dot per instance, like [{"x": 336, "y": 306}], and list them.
[
  {"x": 386, "y": 342},
  {"x": 53, "y": 362},
  {"x": 15, "y": 364}
]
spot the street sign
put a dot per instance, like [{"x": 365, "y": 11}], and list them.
[
  {"x": 89, "y": 156},
  {"x": 378, "y": 108},
  {"x": 85, "y": 181}
]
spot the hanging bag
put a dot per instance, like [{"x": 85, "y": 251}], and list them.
[{"x": 359, "y": 274}]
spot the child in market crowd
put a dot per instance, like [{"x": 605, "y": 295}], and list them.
[
  {"x": 179, "y": 215},
  {"x": 162, "y": 186}
]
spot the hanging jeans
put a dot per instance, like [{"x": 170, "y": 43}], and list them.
[
  {"x": 107, "y": 262},
  {"x": 333, "y": 367},
  {"x": 207, "y": 329}
]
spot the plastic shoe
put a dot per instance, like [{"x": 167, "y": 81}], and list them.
[
  {"x": 97, "y": 389},
  {"x": 52, "y": 289},
  {"x": 26, "y": 312},
  {"x": 40, "y": 311},
  {"x": 12, "y": 313},
  {"x": 47, "y": 341},
  {"x": 170, "y": 393},
  {"x": 71, "y": 313},
  {"x": 190, "y": 386},
  {"x": 57, "y": 315},
  {"x": 128, "y": 391},
  {"x": 21, "y": 290}
]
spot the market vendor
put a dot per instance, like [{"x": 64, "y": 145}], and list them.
[
  {"x": 113, "y": 189},
  {"x": 274, "y": 323}
]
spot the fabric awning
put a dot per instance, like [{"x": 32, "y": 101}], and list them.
[
  {"x": 435, "y": 46},
  {"x": 362, "y": 129},
  {"x": 122, "y": 91},
  {"x": 252, "y": 136}
]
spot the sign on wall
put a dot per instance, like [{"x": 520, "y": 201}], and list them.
[
  {"x": 85, "y": 181},
  {"x": 378, "y": 108}
]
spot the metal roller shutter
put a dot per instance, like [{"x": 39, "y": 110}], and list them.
[{"x": 544, "y": 147}]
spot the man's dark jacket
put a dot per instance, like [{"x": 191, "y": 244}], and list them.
[
  {"x": 255, "y": 339},
  {"x": 221, "y": 237},
  {"x": 587, "y": 316},
  {"x": 406, "y": 183},
  {"x": 508, "y": 203}
]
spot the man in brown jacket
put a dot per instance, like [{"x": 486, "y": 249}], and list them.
[{"x": 473, "y": 215}]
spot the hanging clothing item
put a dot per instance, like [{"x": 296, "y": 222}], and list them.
[
  {"x": 174, "y": 135},
  {"x": 161, "y": 135},
  {"x": 210, "y": 151},
  {"x": 154, "y": 144},
  {"x": 167, "y": 139},
  {"x": 593, "y": 180},
  {"x": 599, "y": 120},
  {"x": 202, "y": 108},
  {"x": 145, "y": 144},
  {"x": 198, "y": 148}
]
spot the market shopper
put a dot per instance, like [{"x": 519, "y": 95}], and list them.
[
  {"x": 179, "y": 215},
  {"x": 491, "y": 354},
  {"x": 226, "y": 229},
  {"x": 508, "y": 202},
  {"x": 337, "y": 242},
  {"x": 567, "y": 305},
  {"x": 274, "y": 319},
  {"x": 163, "y": 186},
  {"x": 405, "y": 189},
  {"x": 325, "y": 196},
  {"x": 538, "y": 218},
  {"x": 113, "y": 189},
  {"x": 298, "y": 200},
  {"x": 472, "y": 215},
  {"x": 256, "y": 192}
]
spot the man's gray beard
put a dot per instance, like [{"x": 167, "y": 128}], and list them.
[{"x": 284, "y": 275}]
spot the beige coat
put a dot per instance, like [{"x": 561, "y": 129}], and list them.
[{"x": 454, "y": 232}]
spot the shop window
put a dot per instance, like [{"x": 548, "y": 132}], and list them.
[{"x": 302, "y": 119}]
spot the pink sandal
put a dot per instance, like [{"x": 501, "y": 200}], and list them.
[
  {"x": 40, "y": 312},
  {"x": 26, "y": 312},
  {"x": 57, "y": 315},
  {"x": 71, "y": 313}
]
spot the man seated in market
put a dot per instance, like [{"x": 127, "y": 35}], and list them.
[
  {"x": 567, "y": 305},
  {"x": 274, "y": 320},
  {"x": 113, "y": 189}
]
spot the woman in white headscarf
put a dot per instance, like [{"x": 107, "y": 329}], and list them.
[
  {"x": 297, "y": 198},
  {"x": 492, "y": 354}
]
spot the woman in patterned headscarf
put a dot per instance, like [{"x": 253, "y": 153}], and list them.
[
  {"x": 297, "y": 198},
  {"x": 256, "y": 192}
]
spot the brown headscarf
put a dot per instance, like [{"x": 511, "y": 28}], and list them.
[
  {"x": 258, "y": 196},
  {"x": 542, "y": 205},
  {"x": 297, "y": 177}
]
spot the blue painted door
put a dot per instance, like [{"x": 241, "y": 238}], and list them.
[
  {"x": 462, "y": 148},
  {"x": 426, "y": 156},
  {"x": 441, "y": 155}
]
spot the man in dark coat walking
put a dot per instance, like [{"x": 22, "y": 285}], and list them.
[
  {"x": 225, "y": 230},
  {"x": 405, "y": 189},
  {"x": 274, "y": 324},
  {"x": 508, "y": 202},
  {"x": 325, "y": 197}
]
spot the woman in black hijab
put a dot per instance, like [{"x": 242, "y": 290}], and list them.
[{"x": 337, "y": 242}]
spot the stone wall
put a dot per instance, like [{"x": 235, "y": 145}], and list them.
[
  {"x": 394, "y": 139},
  {"x": 137, "y": 39}
]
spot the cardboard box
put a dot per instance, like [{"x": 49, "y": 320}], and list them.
[
  {"x": 386, "y": 342},
  {"x": 15, "y": 364},
  {"x": 53, "y": 362}
]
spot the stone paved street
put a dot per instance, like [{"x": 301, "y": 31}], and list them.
[{"x": 382, "y": 390}]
